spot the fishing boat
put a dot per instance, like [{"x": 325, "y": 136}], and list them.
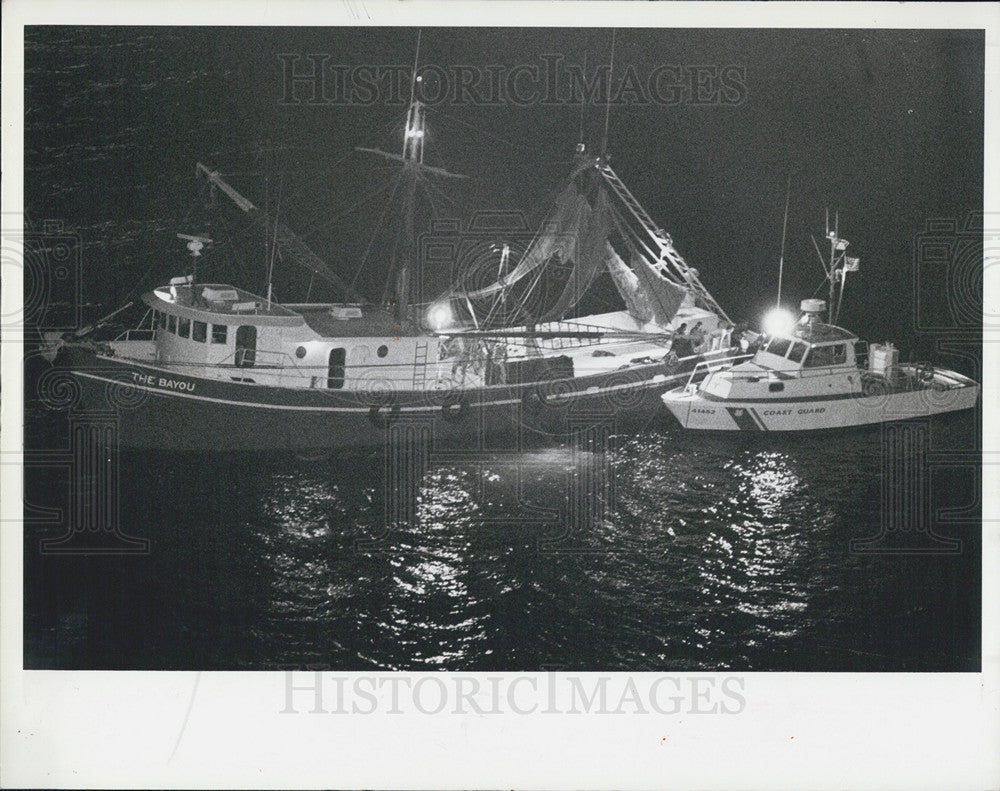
[
  {"x": 810, "y": 374},
  {"x": 213, "y": 366}
]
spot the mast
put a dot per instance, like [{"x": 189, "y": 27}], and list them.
[
  {"x": 412, "y": 159},
  {"x": 833, "y": 278},
  {"x": 784, "y": 230},
  {"x": 607, "y": 99},
  {"x": 840, "y": 264}
]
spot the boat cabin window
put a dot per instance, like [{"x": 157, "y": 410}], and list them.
[
  {"x": 184, "y": 327},
  {"x": 218, "y": 333},
  {"x": 797, "y": 352},
  {"x": 822, "y": 356},
  {"x": 335, "y": 373},
  {"x": 162, "y": 320},
  {"x": 778, "y": 346},
  {"x": 172, "y": 324},
  {"x": 199, "y": 331}
]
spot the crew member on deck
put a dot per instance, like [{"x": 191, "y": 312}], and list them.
[
  {"x": 682, "y": 342},
  {"x": 698, "y": 338},
  {"x": 720, "y": 336}
]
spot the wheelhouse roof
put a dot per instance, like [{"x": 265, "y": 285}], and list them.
[
  {"x": 221, "y": 304},
  {"x": 819, "y": 334}
]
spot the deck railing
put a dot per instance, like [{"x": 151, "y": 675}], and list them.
[
  {"x": 716, "y": 363},
  {"x": 903, "y": 380},
  {"x": 137, "y": 334}
]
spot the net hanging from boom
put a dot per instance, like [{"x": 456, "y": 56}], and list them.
[{"x": 597, "y": 225}]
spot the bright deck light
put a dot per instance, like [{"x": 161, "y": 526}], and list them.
[
  {"x": 778, "y": 322},
  {"x": 440, "y": 316}
]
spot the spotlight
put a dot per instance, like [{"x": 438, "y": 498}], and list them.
[
  {"x": 778, "y": 322},
  {"x": 440, "y": 317}
]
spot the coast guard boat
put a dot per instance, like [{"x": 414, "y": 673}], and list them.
[{"x": 816, "y": 376}]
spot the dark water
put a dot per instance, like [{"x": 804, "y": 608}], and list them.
[
  {"x": 656, "y": 550},
  {"x": 665, "y": 550}
]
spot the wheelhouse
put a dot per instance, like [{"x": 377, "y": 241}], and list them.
[
  {"x": 215, "y": 324},
  {"x": 808, "y": 346}
]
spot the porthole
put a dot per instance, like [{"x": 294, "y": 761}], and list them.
[
  {"x": 383, "y": 350},
  {"x": 300, "y": 352}
]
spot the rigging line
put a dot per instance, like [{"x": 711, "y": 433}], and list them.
[
  {"x": 498, "y": 300},
  {"x": 378, "y": 225},
  {"x": 444, "y": 163},
  {"x": 542, "y": 226},
  {"x": 301, "y": 188},
  {"x": 274, "y": 241},
  {"x": 426, "y": 184},
  {"x": 821, "y": 259},
  {"x": 481, "y": 130},
  {"x": 430, "y": 185},
  {"x": 607, "y": 98},
  {"x": 538, "y": 276},
  {"x": 328, "y": 221},
  {"x": 583, "y": 104},
  {"x": 392, "y": 280}
]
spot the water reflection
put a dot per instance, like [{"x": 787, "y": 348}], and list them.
[{"x": 650, "y": 552}]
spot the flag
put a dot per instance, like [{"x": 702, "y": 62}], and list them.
[{"x": 851, "y": 264}]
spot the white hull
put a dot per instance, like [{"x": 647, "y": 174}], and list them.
[{"x": 694, "y": 411}]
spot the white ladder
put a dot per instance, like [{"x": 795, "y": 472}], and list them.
[{"x": 420, "y": 366}]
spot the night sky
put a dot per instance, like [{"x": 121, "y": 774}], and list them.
[{"x": 885, "y": 125}]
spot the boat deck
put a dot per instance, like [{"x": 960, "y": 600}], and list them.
[{"x": 333, "y": 321}]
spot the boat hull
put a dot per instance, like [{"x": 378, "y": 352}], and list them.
[
  {"x": 693, "y": 411},
  {"x": 153, "y": 407}
]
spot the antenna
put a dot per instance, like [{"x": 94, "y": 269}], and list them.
[
  {"x": 416, "y": 63},
  {"x": 784, "y": 229},
  {"x": 274, "y": 248},
  {"x": 607, "y": 97}
]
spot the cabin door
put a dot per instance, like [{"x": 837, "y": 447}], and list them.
[
  {"x": 335, "y": 372},
  {"x": 246, "y": 346}
]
